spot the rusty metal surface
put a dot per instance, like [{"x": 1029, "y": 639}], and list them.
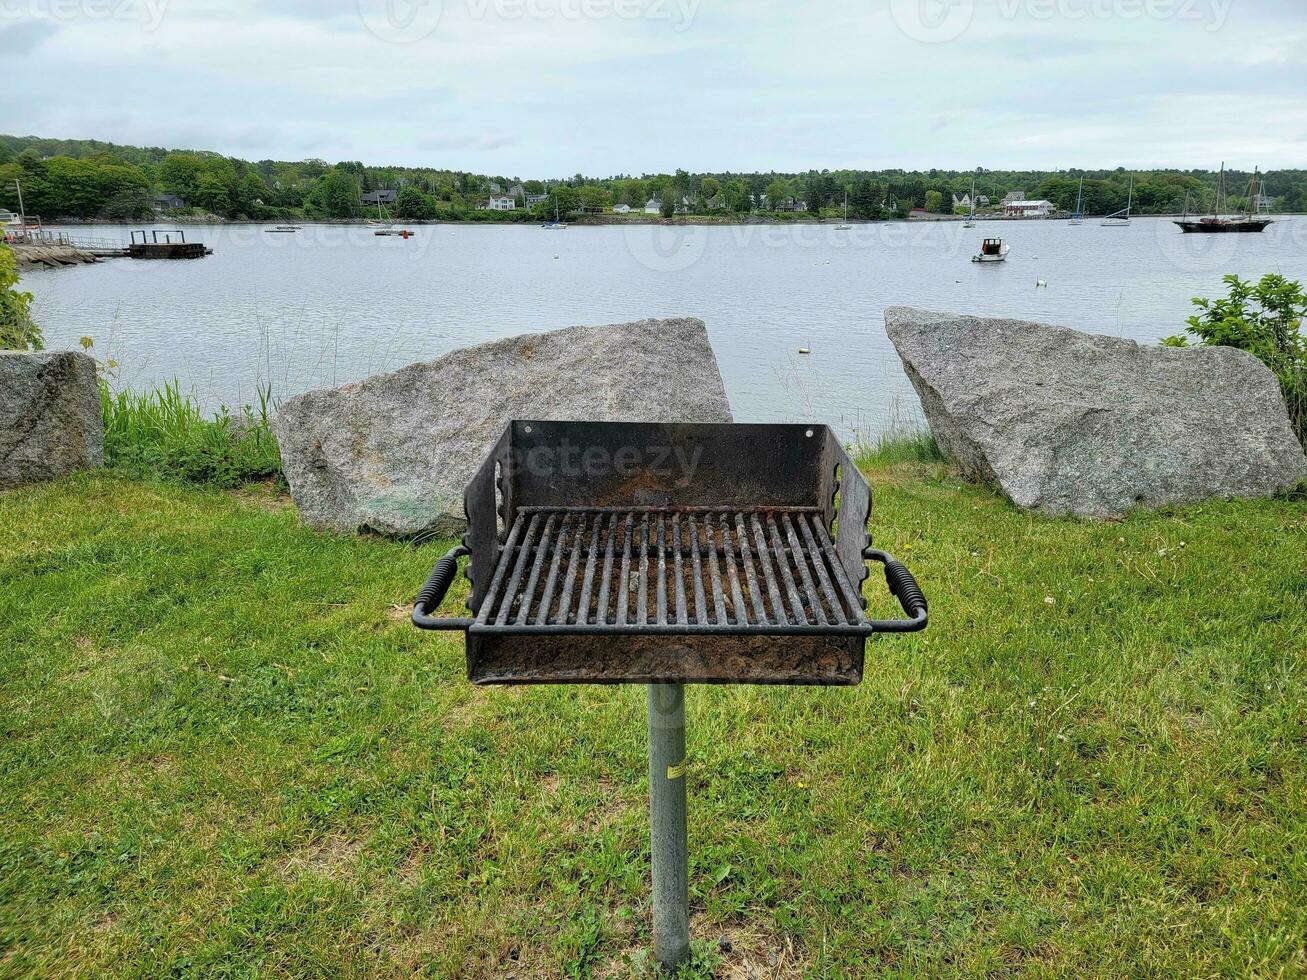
[
  {"x": 624, "y": 552},
  {"x": 651, "y": 659}
]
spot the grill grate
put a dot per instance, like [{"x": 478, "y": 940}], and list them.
[{"x": 686, "y": 570}]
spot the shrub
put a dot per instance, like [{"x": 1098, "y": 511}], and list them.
[
  {"x": 17, "y": 330},
  {"x": 1264, "y": 319}
]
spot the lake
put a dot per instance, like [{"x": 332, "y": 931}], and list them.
[{"x": 334, "y": 303}]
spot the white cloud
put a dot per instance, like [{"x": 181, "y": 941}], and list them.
[{"x": 533, "y": 86}]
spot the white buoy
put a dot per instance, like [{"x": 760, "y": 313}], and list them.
[
  {"x": 1040, "y": 282},
  {"x": 804, "y": 350},
  {"x": 555, "y": 255}
]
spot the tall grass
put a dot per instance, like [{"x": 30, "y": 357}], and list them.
[
  {"x": 898, "y": 445},
  {"x": 163, "y": 433}
]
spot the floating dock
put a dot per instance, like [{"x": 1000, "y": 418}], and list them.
[{"x": 165, "y": 245}]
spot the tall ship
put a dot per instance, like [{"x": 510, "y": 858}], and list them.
[{"x": 1217, "y": 223}]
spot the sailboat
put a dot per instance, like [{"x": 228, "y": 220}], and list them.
[
  {"x": 845, "y": 226},
  {"x": 1121, "y": 219},
  {"x": 380, "y": 228},
  {"x": 557, "y": 224},
  {"x": 1078, "y": 215},
  {"x": 971, "y": 218},
  {"x": 1250, "y": 221}
]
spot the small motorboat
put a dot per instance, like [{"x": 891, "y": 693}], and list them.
[
  {"x": 991, "y": 250},
  {"x": 394, "y": 230},
  {"x": 282, "y": 230}
]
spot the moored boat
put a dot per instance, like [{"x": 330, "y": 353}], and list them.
[
  {"x": 992, "y": 250},
  {"x": 1121, "y": 219},
  {"x": 1216, "y": 223}
]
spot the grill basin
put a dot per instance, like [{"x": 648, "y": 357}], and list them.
[{"x": 645, "y": 552}]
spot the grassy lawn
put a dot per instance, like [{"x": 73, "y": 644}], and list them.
[{"x": 225, "y": 751}]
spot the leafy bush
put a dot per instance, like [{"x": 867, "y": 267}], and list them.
[
  {"x": 163, "y": 433},
  {"x": 17, "y": 330},
  {"x": 1264, "y": 319}
]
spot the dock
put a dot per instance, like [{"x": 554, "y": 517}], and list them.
[{"x": 172, "y": 244}]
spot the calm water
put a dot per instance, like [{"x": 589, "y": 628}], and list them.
[{"x": 333, "y": 304}]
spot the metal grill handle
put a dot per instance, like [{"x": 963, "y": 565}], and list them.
[
  {"x": 904, "y": 587},
  {"x": 432, "y": 594}
]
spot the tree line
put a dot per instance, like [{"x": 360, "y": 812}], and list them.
[{"x": 91, "y": 179}]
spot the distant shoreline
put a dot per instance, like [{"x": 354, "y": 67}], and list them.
[{"x": 594, "y": 220}]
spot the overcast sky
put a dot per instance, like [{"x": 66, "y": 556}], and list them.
[{"x": 553, "y": 87}]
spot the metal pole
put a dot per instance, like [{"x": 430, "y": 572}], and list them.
[{"x": 667, "y": 843}]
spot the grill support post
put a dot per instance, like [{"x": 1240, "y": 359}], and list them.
[{"x": 667, "y": 838}]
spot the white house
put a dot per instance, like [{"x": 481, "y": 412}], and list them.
[
  {"x": 622, "y": 209},
  {"x": 963, "y": 202},
  {"x": 533, "y": 199},
  {"x": 653, "y": 206},
  {"x": 1028, "y": 209},
  {"x": 501, "y": 203}
]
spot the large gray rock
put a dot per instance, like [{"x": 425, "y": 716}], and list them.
[
  {"x": 1075, "y": 423},
  {"x": 393, "y": 453},
  {"x": 50, "y": 421}
]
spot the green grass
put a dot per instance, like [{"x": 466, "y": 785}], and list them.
[
  {"x": 226, "y": 752},
  {"x": 902, "y": 445},
  {"x": 162, "y": 433}
]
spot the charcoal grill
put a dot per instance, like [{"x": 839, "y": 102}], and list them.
[{"x": 666, "y": 554}]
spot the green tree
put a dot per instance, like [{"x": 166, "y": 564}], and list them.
[
  {"x": 778, "y": 192},
  {"x": 1264, "y": 319},
  {"x": 864, "y": 202},
  {"x": 667, "y": 207},
  {"x": 737, "y": 197},
  {"x": 936, "y": 202},
  {"x": 412, "y": 205},
  {"x": 251, "y": 195},
  {"x": 709, "y": 187},
  {"x": 211, "y": 193},
  {"x": 335, "y": 194},
  {"x": 130, "y": 205},
  {"x": 595, "y": 197},
  {"x": 179, "y": 172},
  {"x": 17, "y": 329}
]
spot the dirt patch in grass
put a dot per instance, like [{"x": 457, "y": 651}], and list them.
[
  {"x": 326, "y": 857},
  {"x": 269, "y": 495},
  {"x": 751, "y": 951},
  {"x": 397, "y": 613}
]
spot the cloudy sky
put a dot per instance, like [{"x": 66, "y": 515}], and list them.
[{"x": 553, "y": 87}]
